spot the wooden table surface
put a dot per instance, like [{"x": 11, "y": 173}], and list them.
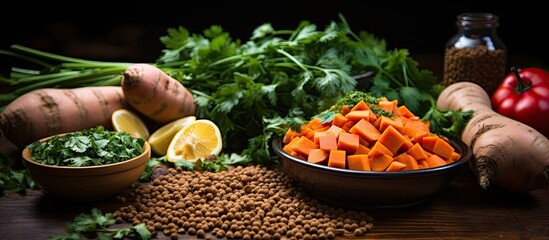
[{"x": 460, "y": 211}]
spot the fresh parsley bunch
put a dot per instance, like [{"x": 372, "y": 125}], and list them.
[{"x": 255, "y": 89}]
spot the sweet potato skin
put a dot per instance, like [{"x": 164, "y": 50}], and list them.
[
  {"x": 155, "y": 94},
  {"x": 506, "y": 152},
  {"x": 49, "y": 111}
]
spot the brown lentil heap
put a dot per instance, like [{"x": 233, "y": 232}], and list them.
[
  {"x": 479, "y": 64},
  {"x": 252, "y": 202}
]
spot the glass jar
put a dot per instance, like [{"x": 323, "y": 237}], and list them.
[{"x": 475, "y": 53}]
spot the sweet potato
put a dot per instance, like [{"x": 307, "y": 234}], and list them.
[
  {"x": 507, "y": 153},
  {"x": 45, "y": 112},
  {"x": 155, "y": 94}
]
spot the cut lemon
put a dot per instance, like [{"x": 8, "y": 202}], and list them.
[
  {"x": 124, "y": 120},
  {"x": 161, "y": 138},
  {"x": 200, "y": 139}
]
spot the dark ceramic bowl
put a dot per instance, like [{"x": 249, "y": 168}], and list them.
[{"x": 363, "y": 190}]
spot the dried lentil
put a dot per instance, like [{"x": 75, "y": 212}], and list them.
[
  {"x": 252, "y": 202},
  {"x": 476, "y": 64}
]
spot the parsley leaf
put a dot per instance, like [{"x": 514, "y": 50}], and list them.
[
  {"x": 90, "y": 147},
  {"x": 97, "y": 223}
]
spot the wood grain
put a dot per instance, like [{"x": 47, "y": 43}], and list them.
[{"x": 463, "y": 210}]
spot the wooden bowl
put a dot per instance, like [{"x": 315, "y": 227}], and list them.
[
  {"x": 364, "y": 190},
  {"x": 90, "y": 183}
]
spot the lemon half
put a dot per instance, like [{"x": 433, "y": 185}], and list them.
[
  {"x": 123, "y": 120},
  {"x": 161, "y": 138},
  {"x": 199, "y": 139}
]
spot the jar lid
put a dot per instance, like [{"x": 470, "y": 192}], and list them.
[{"x": 477, "y": 19}]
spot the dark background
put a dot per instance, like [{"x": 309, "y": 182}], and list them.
[{"x": 130, "y": 32}]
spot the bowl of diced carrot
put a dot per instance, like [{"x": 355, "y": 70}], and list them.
[{"x": 370, "y": 154}]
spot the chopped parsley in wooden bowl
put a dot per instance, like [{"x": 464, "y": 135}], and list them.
[{"x": 86, "y": 165}]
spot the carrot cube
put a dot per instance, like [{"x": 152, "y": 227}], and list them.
[
  {"x": 337, "y": 159},
  {"x": 359, "y": 162},
  {"x": 339, "y": 120},
  {"x": 395, "y": 166},
  {"x": 392, "y": 139},
  {"x": 361, "y": 105},
  {"x": 435, "y": 161},
  {"x": 366, "y": 130},
  {"x": 411, "y": 162},
  {"x": 303, "y": 146},
  {"x": 443, "y": 148},
  {"x": 380, "y": 162},
  {"x": 379, "y": 149},
  {"x": 348, "y": 142},
  {"x": 362, "y": 149},
  {"x": 317, "y": 156},
  {"x": 357, "y": 115},
  {"x": 327, "y": 142},
  {"x": 417, "y": 152}
]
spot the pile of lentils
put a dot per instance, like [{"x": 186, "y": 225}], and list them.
[{"x": 252, "y": 202}]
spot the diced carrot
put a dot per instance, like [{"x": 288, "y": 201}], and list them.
[
  {"x": 339, "y": 120},
  {"x": 314, "y": 124},
  {"x": 388, "y": 121},
  {"x": 337, "y": 159},
  {"x": 366, "y": 130},
  {"x": 387, "y": 105},
  {"x": 348, "y": 142},
  {"x": 345, "y": 109},
  {"x": 411, "y": 162},
  {"x": 335, "y": 130},
  {"x": 319, "y": 134},
  {"x": 443, "y": 148},
  {"x": 327, "y": 142},
  {"x": 359, "y": 162},
  {"x": 395, "y": 166},
  {"x": 379, "y": 149},
  {"x": 348, "y": 125},
  {"x": 391, "y": 138},
  {"x": 362, "y": 149},
  {"x": 357, "y": 115},
  {"x": 407, "y": 144},
  {"x": 423, "y": 164},
  {"x": 417, "y": 152},
  {"x": 363, "y": 141},
  {"x": 317, "y": 156},
  {"x": 419, "y": 124},
  {"x": 405, "y": 112},
  {"x": 428, "y": 142},
  {"x": 435, "y": 161},
  {"x": 288, "y": 148},
  {"x": 303, "y": 146},
  {"x": 380, "y": 162},
  {"x": 361, "y": 105},
  {"x": 290, "y": 134},
  {"x": 455, "y": 156}
]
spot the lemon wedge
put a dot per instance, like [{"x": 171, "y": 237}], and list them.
[
  {"x": 199, "y": 139},
  {"x": 161, "y": 138},
  {"x": 123, "y": 120}
]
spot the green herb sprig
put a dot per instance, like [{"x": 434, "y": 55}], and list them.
[
  {"x": 98, "y": 225},
  {"x": 90, "y": 147}
]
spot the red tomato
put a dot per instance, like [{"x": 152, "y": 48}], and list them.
[{"x": 523, "y": 95}]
